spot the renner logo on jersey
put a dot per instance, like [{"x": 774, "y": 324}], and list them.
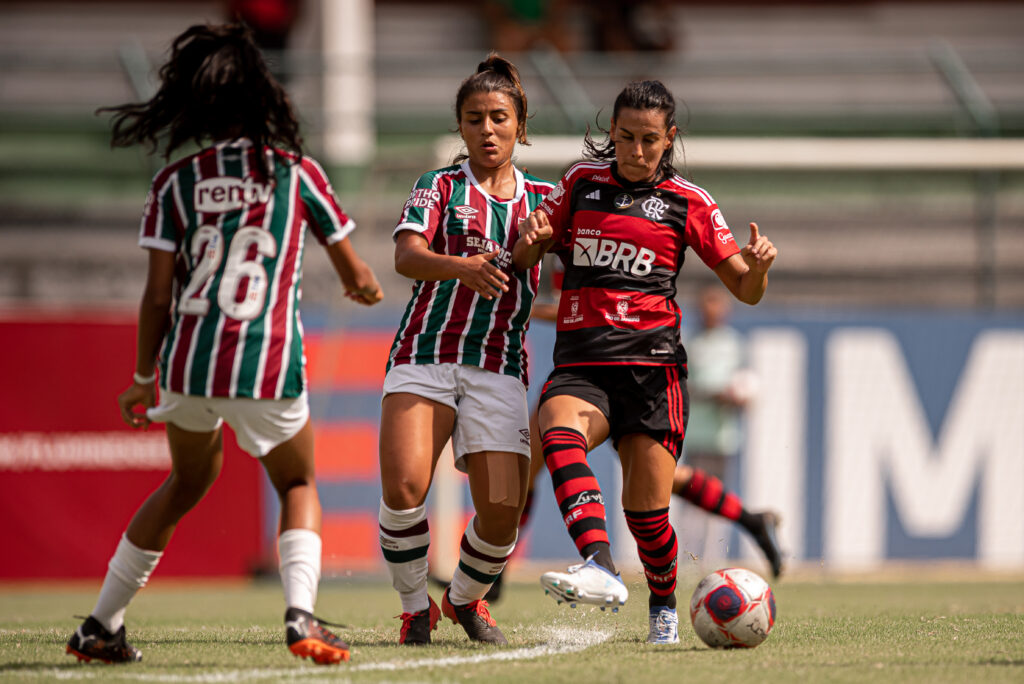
[
  {"x": 606, "y": 252},
  {"x": 218, "y": 195}
]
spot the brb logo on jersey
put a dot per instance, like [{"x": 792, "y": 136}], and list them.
[
  {"x": 218, "y": 195},
  {"x": 612, "y": 253}
]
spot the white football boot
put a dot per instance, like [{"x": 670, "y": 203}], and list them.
[
  {"x": 586, "y": 583},
  {"x": 664, "y": 625}
]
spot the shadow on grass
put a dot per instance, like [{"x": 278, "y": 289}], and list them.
[{"x": 1005, "y": 662}]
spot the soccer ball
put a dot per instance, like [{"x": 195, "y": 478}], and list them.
[{"x": 732, "y": 608}]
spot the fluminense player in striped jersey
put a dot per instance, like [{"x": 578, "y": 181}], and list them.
[
  {"x": 458, "y": 363},
  {"x": 219, "y": 319}
]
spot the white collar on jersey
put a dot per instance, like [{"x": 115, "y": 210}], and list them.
[
  {"x": 232, "y": 142},
  {"x": 520, "y": 183}
]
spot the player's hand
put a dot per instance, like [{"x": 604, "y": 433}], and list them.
[
  {"x": 364, "y": 288},
  {"x": 137, "y": 395},
  {"x": 535, "y": 227},
  {"x": 759, "y": 253},
  {"x": 479, "y": 274}
]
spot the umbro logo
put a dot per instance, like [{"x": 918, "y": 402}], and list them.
[{"x": 596, "y": 195}]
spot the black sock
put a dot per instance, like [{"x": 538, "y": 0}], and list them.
[
  {"x": 658, "y": 601},
  {"x": 602, "y": 552}
]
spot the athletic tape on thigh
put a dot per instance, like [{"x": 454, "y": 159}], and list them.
[{"x": 503, "y": 478}]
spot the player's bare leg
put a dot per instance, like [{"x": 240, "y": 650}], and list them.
[
  {"x": 196, "y": 459},
  {"x": 290, "y": 467},
  {"x": 414, "y": 431},
  {"x": 647, "y": 470}
]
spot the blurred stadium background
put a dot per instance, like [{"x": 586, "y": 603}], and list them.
[{"x": 879, "y": 146}]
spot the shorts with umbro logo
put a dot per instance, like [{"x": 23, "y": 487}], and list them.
[{"x": 634, "y": 399}]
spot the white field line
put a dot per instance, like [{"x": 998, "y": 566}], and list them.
[{"x": 562, "y": 640}]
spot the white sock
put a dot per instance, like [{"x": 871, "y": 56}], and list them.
[
  {"x": 299, "y": 551},
  {"x": 127, "y": 572},
  {"x": 404, "y": 541},
  {"x": 480, "y": 564}
]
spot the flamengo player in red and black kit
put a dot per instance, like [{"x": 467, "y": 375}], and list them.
[
  {"x": 621, "y": 225},
  {"x": 458, "y": 363},
  {"x": 219, "y": 319}
]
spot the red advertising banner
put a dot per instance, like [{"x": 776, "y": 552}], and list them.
[{"x": 72, "y": 474}]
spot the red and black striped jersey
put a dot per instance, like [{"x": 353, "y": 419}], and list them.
[{"x": 622, "y": 245}]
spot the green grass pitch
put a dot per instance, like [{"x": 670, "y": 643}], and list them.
[{"x": 964, "y": 628}]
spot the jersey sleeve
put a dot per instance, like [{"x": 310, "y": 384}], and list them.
[
  {"x": 162, "y": 218},
  {"x": 707, "y": 232},
  {"x": 424, "y": 210},
  {"x": 557, "y": 206},
  {"x": 327, "y": 220}
]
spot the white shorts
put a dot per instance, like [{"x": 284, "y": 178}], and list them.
[
  {"x": 490, "y": 408},
  {"x": 259, "y": 424}
]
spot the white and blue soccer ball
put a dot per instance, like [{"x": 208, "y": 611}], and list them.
[{"x": 732, "y": 608}]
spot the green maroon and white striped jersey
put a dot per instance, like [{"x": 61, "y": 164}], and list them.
[
  {"x": 234, "y": 327},
  {"x": 446, "y": 321}
]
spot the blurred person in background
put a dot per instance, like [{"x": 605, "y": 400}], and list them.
[
  {"x": 271, "y": 22},
  {"x": 632, "y": 26},
  {"x": 219, "y": 319},
  {"x": 720, "y": 386},
  {"x": 621, "y": 222},
  {"x": 457, "y": 368},
  {"x": 521, "y": 25}
]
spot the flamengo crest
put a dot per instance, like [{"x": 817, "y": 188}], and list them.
[{"x": 654, "y": 208}]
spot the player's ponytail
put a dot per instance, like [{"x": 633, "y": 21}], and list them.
[
  {"x": 637, "y": 95},
  {"x": 215, "y": 85},
  {"x": 496, "y": 74}
]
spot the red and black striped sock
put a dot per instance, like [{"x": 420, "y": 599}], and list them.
[
  {"x": 577, "y": 492},
  {"x": 658, "y": 550},
  {"x": 708, "y": 492}
]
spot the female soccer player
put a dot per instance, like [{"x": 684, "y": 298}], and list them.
[
  {"x": 219, "y": 319},
  {"x": 621, "y": 224},
  {"x": 458, "y": 363}
]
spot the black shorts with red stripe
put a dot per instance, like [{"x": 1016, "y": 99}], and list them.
[{"x": 651, "y": 400}]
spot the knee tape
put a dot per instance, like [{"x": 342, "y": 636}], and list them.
[{"x": 503, "y": 479}]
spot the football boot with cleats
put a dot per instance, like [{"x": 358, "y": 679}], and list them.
[
  {"x": 307, "y": 638},
  {"x": 475, "y": 619}
]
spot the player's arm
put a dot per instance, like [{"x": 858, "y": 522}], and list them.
[
  {"x": 746, "y": 273},
  {"x": 154, "y": 310},
  {"x": 356, "y": 275},
  {"x": 414, "y": 259},
  {"x": 535, "y": 239}
]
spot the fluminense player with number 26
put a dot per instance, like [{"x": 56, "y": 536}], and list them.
[{"x": 219, "y": 318}]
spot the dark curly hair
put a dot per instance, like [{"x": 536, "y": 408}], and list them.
[
  {"x": 215, "y": 85},
  {"x": 637, "y": 95}
]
